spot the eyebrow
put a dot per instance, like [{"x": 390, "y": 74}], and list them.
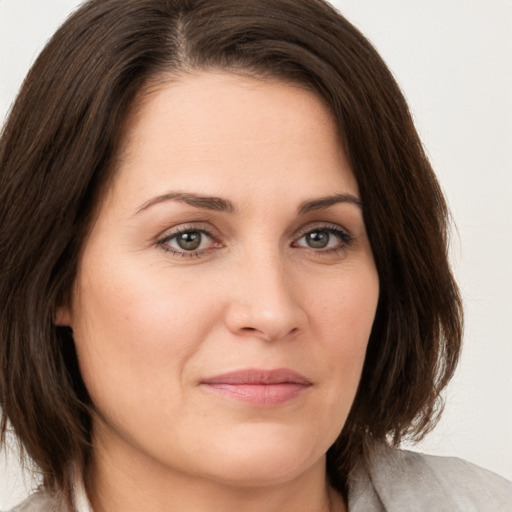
[
  {"x": 219, "y": 204},
  {"x": 198, "y": 201},
  {"x": 325, "y": 202}
]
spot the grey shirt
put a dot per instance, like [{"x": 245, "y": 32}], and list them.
[
  {"x": 393, "y": 481},
  {"x": 405, "y": 481}
]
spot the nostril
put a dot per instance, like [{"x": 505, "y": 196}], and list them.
[{"x": 268, "y": 336}]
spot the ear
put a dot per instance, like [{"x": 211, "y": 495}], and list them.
[{"x": 62, "y": 317}]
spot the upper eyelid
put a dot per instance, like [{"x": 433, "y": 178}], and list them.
[
  {"x": 207, "y": 228},
  {"x": 321, "y": 225},
  {"x": 183, "y": 228},
  {"x": 211, "y": 230}
]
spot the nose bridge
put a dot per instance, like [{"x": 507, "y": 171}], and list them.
[{"x": 263, "y": 302}]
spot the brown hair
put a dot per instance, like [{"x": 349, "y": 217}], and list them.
[{"x": 55, "y": 155}]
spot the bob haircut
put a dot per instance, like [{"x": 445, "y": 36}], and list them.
[{"x": 58, "y": 151}]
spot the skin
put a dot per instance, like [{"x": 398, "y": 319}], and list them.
[{"x": 151, "y": 320}]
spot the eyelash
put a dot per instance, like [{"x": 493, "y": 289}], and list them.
[{"x": 342, "y": 235}]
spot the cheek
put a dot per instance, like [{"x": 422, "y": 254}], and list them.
[
  {"x": 133, "y": 328},
  {"x": 345, "y": 307},
  {"x": 343, "y": 321}
]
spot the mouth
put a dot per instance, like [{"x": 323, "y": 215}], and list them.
[{"x": 263, "y": 388}]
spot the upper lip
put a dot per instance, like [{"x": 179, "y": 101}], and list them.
[{"x": 261, "y": 377}]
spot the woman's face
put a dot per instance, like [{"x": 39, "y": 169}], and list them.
[{"x": 227, "y": 290}]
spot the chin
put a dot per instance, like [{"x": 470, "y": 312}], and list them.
[{"x": 264, "y": 460}]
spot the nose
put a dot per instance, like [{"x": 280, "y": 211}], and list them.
[{"x": 264, "y": 302}]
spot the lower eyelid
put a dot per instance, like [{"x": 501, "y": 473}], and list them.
[{"x": 184, "y": 254}]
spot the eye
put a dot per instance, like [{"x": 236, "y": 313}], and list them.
[
  {"x": 188, "y": 242},
  {"x": 325, "y": 238}
]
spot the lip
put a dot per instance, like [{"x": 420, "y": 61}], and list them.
[{"x": 263, "y": 388}]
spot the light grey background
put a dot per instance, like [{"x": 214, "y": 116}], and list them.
[{"x": 453, "y": 59}]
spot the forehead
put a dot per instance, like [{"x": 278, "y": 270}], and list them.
[{"x": 217, "y": 129}]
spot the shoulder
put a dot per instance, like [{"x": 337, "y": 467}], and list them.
[
  {"x": 42, "y": 502},
  {"x": 400, "y": 478}
]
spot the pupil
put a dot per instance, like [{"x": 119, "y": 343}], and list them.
[
  {"x": 189, "y": 241},
  {"x": 317, "y": 239}
]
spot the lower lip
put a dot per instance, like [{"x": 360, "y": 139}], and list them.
[{"x": 262, "y": 395}]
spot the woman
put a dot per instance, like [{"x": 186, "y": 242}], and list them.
[{"x": 225, "y": 280}]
